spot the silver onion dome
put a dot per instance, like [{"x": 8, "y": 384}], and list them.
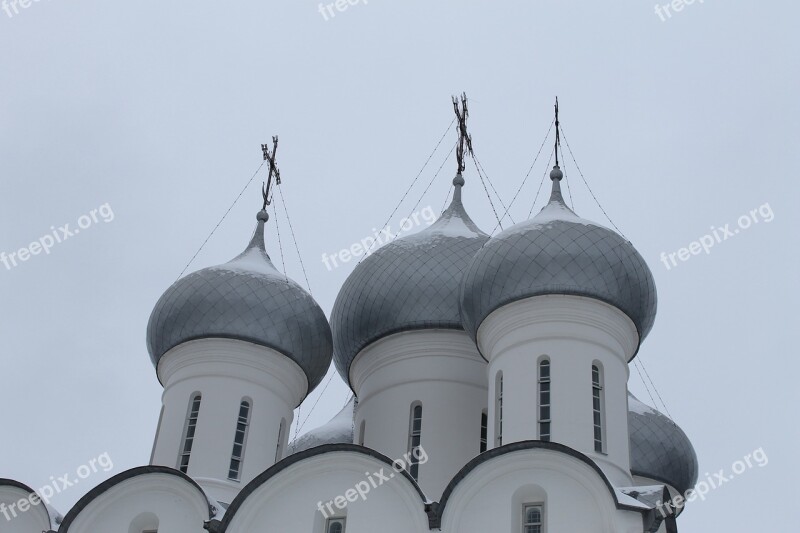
[
  {"x": 558, "y": 252},
  {"x": 411, "y": 283},
  {"x": 660, "y": 450},
  {"x": 246, "y": 299},
  {"x": 338, "y": 430}
]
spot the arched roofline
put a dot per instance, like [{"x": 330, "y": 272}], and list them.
[
  {"x": 486, "y": 456},
  {"x": 5, "y": 482},
  {"x": 293, "y": 459},
  {"x": 108, "y": 484}
]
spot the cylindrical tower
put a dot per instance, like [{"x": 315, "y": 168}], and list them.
[
  {"x": 399, "y": 343},
  {"x": 237, "y": 347},
  {"x": 559, "y": 305}
]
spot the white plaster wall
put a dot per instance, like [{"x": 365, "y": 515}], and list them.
[
  {"x": 574, "y": 332},
  {"x": 290, "y": 500},
  {"x": 575, "y": 497},
  {"x": 225, "y": 372},
  {"x": 21, "y": 519},
  {"x": 178, "y": 506},
  {"x": 439, "y": 368}
]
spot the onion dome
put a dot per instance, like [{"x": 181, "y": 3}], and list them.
[
  {"x": 245, "y": 299},
  {"x": 339, "y": 430},
  {"x": 411, "y": 283},
  {"x": 660, "y": 450},
  {"x": 558, "y": 252}
]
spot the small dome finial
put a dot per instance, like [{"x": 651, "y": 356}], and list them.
[
  {"x": 556, "y": 174},
  {"x": 458, "y": 182},
  {"x": 262, "y": 216}
]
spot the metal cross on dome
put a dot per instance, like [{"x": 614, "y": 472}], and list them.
[
  {"x": 273, "y": 169},
  {"x": 464, "y": 138}
]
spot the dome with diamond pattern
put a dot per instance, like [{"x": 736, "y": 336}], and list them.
[
  {"x": 660, "y": 450},
  {"x": 558, "y": 252},
  {"x": 245, "y": 299},
  {"x": 411, "y": 283}
]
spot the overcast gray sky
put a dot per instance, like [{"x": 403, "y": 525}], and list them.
[{"x": 158, "y": 109}]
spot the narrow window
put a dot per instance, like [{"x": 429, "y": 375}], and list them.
[
  {"x": 533, "y": 519},
  {"x": 414, "y": 440},
  {"x": 361, "y": 432},
  {"x": 544, "y": 400},
  {"x": 498, "y": 410},
  {"x": 239, "y": 440},
  {"x": 484, "y": 432},
  {"x": 335, "y": 525},
  {"x": 188, "y": 434},
  {"x": 281, "y": 430},
  {"x": 597, "y": 408}
]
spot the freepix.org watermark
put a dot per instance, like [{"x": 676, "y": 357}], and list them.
[
  {"x": 675, "y": 6},
  {"x": 57, "y": 236},
  {"x": 757, "y": 458},
  {"x": 368, "y": 245},
  {"x": 15, "y": 5},
  {"x": 718, "y": 235},
  {"x": 327, "y": 10},
  {"x": 373, "y": 481},
  {"x": 56, "y": 486}
]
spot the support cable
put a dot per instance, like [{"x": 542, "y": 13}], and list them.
[
  {"x": 296, "y": 247},
  {"x": 587, "y": 186},
  {"x": 366, "y": 252},
  {"x": 535, "y": 159},
  {"x": 221, "y": 220},
  {"x": 541, "y": 183}
]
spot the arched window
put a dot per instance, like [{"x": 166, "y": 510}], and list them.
[
  {"x": 415, "y": 439},
  {"x": 484, "y": 430},
  {"x": 544, "y": 400},
  {"x": 188, "y": 432},
  {"x": 144, "y": 523},
  {"x": 498, "y": 409},
  {"x": 361, "y": 432},
  {"x": 239, "y": 441},
  {"x": 597, "y": 407},
  {"x": 533, "y": 519},
  {"x": 281, "y": 431},
  {"x": 335, "y": 525}
]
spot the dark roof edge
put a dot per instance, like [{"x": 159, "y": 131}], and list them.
[
  {"x": 291, "y": 460},
  {"x": 22, "y": 486},
  {"x": 521, "y": 446},
  {"x": 124, "y": 476}
]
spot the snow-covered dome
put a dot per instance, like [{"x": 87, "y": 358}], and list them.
[
  {"x": 409, "y": 284},
  {"x": 246, "y": 299},
  {"x": 660, "y": 450},
  {"x": 558, "y": 252},
  {"x": 338, "y": 430}
]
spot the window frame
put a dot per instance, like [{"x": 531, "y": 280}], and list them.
[
  {"x": 484, "y": 440},
  {"x": 189, "y": 431},
  {"x": 526, "y": 524},
  {"x": 544, "y": 399},
  {"x": 498, "y": 409},
  {"x": 240, "y": 434},
  {"x": 334, "y": 520},
  {"x": 414, "y": 439},
  {"x": 598, "y": 408}
]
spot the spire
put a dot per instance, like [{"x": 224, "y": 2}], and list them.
[
  {"x": 464, "y": 141},
  {"x": 458, "y": 182},
  {"x": 455, "y": 219},
  {"x": 262, "y": 217},
  {"x": 464, "y": 138},
  {"x": 556, "y": 175}
]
